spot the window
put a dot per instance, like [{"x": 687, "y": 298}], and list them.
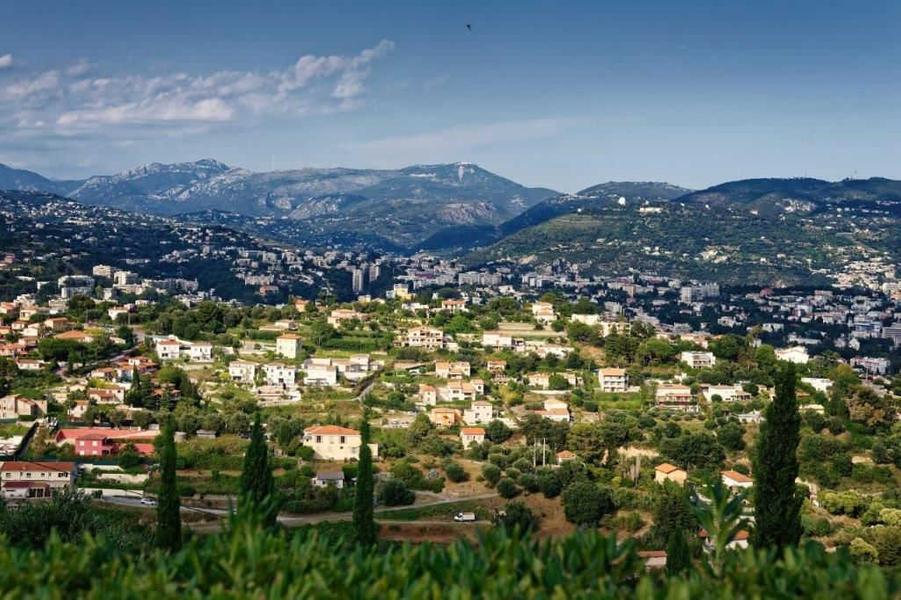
[
  {"x": 318, "y": 439},
  {"x": 342, "y": 439}
]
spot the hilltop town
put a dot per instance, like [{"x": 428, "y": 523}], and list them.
[{"x": 482, "y": 388}]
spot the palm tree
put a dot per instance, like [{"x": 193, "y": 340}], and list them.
[{"x": 721, "y": 517}]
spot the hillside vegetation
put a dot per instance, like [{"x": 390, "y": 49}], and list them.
[
  {"x": 250, "y": 563},
  {"x": 762, "y": 231}
]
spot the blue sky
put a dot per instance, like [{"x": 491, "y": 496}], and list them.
[{"x": 561, "y": 94}]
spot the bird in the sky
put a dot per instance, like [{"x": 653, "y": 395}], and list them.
[{"x": 469, "y": 27}]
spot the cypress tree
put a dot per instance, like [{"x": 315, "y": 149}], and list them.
[
  {"x": 168, "y": 510},
  {"x": 777, "y": 502},
  {"x": 364, "y": 518},
  {"x": 678, "y": 554},
  {"x": 257, "y": 483}
]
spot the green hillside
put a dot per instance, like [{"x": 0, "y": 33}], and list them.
[{"x": 770, "y": 231}]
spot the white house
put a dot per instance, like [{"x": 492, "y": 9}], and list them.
[
  {"x": 332, "y": 442},
  {"x": 459, "y": 391},
  {"x": 327, "y": 478},
  {"x": 200, "y": 352},
  {"x": 613, "y": 380},
  {"x": 429, "y": 338},
  {"x": 675, "y": 396},
  {"x": 543, "y": 312},
  {"x": 819, "y": 384},
  {"x": 472, "y": 435},
  {"x": 727, "y": 393},
  {"x": 794, "y": 354},
  {"x": 287, "y": 345},
  {"x": 734, "y": 479},
  {"x": 320, "y": 371},
  {"x": 452, "y": 370},
  {"x": 20, "y": 480},
  {"x": 496, "y": 340},
  {"x": 279, "y": 374},
  {"x": 168, "y": 349},
  {"x": 479, "y": 412},
  {"x": 698, "y": 360},
  {"x": 242, "y": 371}
]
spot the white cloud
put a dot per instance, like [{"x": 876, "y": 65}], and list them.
[
  {"x": 74, "y": 99},
  {"x": 79, "y": 68},
  {"x": 6, "y": 61},
  {"x": 455, "y": 143}
]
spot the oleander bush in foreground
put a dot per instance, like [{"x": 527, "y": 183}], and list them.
[{"x": 249, "y": 562}]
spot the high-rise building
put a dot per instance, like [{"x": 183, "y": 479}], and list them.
[
  {"x": 375, "y": 271},
  {"x": 359, "y": 280}
]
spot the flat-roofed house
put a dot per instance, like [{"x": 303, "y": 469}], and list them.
[
  {"x": 279, "y": 374},
  {"x": 613, "y": 380},
  {"x": 675, "y": 396},
  {"x": 480, "y": 412},
  {"x": 698, "y": 360},
  {"x": 200, "y": 352},
  {"x": 429, "y": 338},
  {"x": 242, "y": 371}
]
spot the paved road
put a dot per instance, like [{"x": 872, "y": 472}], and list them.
[
  {"x": 382, "y": 515},
  {"x": 135, "y": 502}
]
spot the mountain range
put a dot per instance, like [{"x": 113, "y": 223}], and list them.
[
  {"x": 396, "y": 207},
  {"x": 788, "y": 229}
]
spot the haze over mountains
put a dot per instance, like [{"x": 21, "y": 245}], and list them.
[
  {"x": 403, "y": 206},
  {"x": 464, "y": 210}
]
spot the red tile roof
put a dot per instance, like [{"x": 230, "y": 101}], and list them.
[
  {"x": 19, "y": 485},
  {"x": 736, "y": 476},
  {"x": 24, "y": 465},
  {"x": 330, "y": 430},
  {"x": 473, "y": 430},
  {"x": 667, "y": 468},
  {"x": 108, "y": 432}
]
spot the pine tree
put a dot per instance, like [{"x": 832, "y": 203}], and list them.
[
  {"x": 777, "y": 502},
  {"x": 168, "y": 527},
  {"x": 678, "y": 554},
  {"x": 134, "y": 396},
  {"x": 364, "y": 518},
  {"x": 258, "y": 495}
]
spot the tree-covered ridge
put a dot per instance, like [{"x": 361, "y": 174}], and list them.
[{"x": 725, "y": 243}]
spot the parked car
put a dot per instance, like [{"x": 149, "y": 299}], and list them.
[
  {"x": 465, "y": 517},
  {"x": 148, "y": 501}
]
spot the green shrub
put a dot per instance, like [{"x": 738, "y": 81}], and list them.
[
  {"x": 507, "y": 488},
  {"x": 455, "y": 472},
  {"x": 549, "y": 483},
  {"x": 491, "y": 473},
  {"x": 816, "y": 526},
  {"x": 529, "y": 482},
  {"x": 517, "y": 516},
  {"x": 585, "y": 503},
  {"x": 394, "y": 492}
]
